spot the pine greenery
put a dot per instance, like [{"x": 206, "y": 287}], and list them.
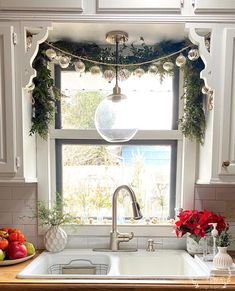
[{"x": 192, "y": 123}]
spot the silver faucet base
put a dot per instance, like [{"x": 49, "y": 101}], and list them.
[{"x": 115, "y": 251}]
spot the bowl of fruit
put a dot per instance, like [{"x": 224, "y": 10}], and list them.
[{"x": 14, "y": 248}]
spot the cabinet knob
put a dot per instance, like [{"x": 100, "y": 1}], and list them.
[{"x": 225, "y": 164}]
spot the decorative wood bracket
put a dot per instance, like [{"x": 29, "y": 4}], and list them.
[
  {"x": 39, "y": 33},
  {"x": 207, "y": 73}
]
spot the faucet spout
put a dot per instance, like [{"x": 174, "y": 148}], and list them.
[{"x": 115, "y": 236}]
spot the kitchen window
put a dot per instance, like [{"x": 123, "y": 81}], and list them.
[{"x": 88, "y": 169}]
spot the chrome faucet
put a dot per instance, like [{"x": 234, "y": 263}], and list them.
[{"x": 115, "y": 236}]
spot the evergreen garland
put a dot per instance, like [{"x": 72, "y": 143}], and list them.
[
  {"x": 44, "y": 96},
  {"x": 192, "y": 123}
]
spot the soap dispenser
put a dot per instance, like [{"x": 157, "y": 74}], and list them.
[{"x": 209, "y": 249}]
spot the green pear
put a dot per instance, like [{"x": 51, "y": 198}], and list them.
[
  {"x": 2, "y": 255},
  {"x": 30, "y": 248}
]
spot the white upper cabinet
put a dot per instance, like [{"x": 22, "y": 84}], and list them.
[
  {"x": 7, "y": 102},
  {"x": 139, "y": 6},
  {"x": 214, "y": 6},
  {"x": 42, "y": 5}
]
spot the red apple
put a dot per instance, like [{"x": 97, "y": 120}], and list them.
[{"x": 16, "y": 250}]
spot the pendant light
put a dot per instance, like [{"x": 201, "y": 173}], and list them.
[{"x": 114, "y": 118}]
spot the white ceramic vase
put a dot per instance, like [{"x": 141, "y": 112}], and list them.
[
  {"x": 55, "y": 239},
  {"x": 193, "y": 247},
  {"x": 222, "y": 259}
]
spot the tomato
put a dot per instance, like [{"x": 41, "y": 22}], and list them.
[
  {"x": 4, "y": 229},
  {"x": 16, "y": 236},
  {"x": 9, "y": 230},
  {"x": 3, "y": 243}
]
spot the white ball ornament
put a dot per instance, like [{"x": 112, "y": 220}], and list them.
[
  {"x": 79, "y": 67},
  {"x": 124, "y": 74},
  {"x": 50, "y": 53},
  {"x": 193, "y": 54},
  {"x": 95, "y": 70},
  {"x": 205, "y": 90},
  {"x": 109, "y": 75},
  {"x": 180, "y": 61},
  {"x": 152, "y": 70},
  {"x": 139, "y": 72},
  {"x": 64, "y": 62},
  {"x": 168, "y": 66}
]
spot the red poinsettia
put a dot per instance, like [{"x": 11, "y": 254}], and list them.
[{"x": 198, "y": 223}]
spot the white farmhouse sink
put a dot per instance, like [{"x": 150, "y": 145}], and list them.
[{"x": 86, "y": 264}]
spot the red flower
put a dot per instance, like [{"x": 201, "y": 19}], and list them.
[{"x": 198, "y": 223}]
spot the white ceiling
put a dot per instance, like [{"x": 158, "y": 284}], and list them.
[{"x": 95, "y": 32}]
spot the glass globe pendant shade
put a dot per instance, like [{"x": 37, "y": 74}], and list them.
[{"x": 114, "y": 120}]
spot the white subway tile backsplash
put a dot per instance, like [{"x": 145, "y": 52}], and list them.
[
  {"x": 217, "y": 206},
  {"x": 6, "y": 218},
  {"x": 97, "y": 242},
  {"x": 198, "y": 205},
  {"x": 12, "y": 206},
  {"x": 5, "y": 193},
  {"x": 24, "y": 193},
  {"x": 225, "y": 194},
  {"x": 76, "y": 242},
  {"x": 174, "y": 243},
  {"x": 31, "y": 205},
  {"x": 40, "y": 245},
  {"x": 30, "y": 230},
  {"x": 205, "y": 193},
  {"x": 24, "y": 218}
]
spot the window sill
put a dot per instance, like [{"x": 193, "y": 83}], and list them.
[{"x": 160, "y": 230}]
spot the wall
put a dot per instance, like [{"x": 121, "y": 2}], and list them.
[{"x": 18, "y": 205}]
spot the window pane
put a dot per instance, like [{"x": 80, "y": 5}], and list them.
[
  {"x": 152, "y": 100},
  {"x": 91, "y": 173}
]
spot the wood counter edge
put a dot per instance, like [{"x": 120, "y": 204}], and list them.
[{"x": 8, "y": 281}]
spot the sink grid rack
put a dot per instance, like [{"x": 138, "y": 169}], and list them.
[{"x": 79, "y": 267}]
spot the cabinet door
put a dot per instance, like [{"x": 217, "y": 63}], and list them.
[
  {"x": 7, "y": 102},
  {"x": 139, "y": 6},
  {"x": 42, "y": 5},
  {"x": 214, "y": 6},
  {"x": 227, "y": 140}
]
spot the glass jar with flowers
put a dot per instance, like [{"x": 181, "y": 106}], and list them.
[{"x": 197, "y": 225}]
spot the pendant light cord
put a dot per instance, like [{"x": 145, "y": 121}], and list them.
[{"x": 116, "y": 67}]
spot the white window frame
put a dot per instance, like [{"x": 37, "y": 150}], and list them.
[{"x": 185, "y": 178}]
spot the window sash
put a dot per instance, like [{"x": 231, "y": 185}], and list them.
[
  {"x": 173, "y": 167},
  {"x": 175, "y": 103}
]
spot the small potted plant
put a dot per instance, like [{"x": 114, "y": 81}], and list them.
[
  {"x": 52, "y": 215},
  {"x": 222, "y": 259}
]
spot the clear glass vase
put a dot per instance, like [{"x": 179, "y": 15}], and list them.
[{"x": 194, "y": 247}]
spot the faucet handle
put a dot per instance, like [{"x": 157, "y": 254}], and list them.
[
  {"x": 125, "y": 236},
  {"x": 150, "y": 245}
]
